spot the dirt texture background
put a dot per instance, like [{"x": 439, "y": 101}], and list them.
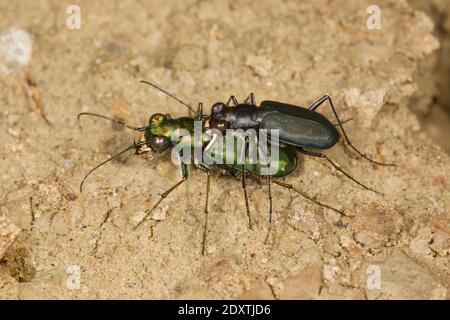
[{"x": 51, "y": 236}]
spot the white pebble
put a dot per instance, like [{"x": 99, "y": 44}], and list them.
[
  {"x": 18, "y": 147},
  {"x": 14, "y": 132},
  {"x": 68, "y": 164},
  {"x": 159, "y": 214},
  {"x": 15, "y": 48}
]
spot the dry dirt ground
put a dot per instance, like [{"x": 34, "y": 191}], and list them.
[{"x": 58, "y": 243}]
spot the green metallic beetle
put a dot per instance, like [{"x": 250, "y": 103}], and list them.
[{"x": 159, "y": 136}]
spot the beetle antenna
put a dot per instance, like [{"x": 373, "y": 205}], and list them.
[
  {"x": 170, "y": 95},
  {"x": 118, "y": 154},
  {"x": 122, "y": 123}
]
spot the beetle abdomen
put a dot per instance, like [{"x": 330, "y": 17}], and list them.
[
  {"x": 283, "y": 165},
  {"x": 298, "y": 126}
]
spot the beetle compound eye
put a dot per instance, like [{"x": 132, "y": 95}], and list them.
[
  {"x": 218, "y": 107},
  {"x": 156, "y": 118},
  {"x": 158, "y": 143}
]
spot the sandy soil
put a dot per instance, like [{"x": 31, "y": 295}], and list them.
[{"x": 58, "y": 243}]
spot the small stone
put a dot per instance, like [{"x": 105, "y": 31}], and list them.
[
  {"x": 14, "y": 132},
  {"x": 67, "y": 164},
  {"x": 17, "y": 147},
  {"x": 159, "y": 213},
  {"x": 15, "y": 49}
]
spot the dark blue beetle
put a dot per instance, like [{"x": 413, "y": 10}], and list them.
[
  {"x": 302, "y": 128},
  {"x": 299, "y": 127}
]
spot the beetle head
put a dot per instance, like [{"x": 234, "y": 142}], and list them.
[
  {"x": 218, "y": 118},
  {"x": 148, "y": 141}
]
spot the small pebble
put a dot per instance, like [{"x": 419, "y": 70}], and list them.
[
  {"x": 68, "y": 164},
  {"x": 14, "y": 132},
  {"x": 15, "y": 49},
  {"x": 159, "y": 214}
]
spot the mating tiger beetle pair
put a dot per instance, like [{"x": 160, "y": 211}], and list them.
[{"x": 302, "y": 130}]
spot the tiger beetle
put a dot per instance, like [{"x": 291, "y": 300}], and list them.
[
  {"x": 299, "y": 128},
  {"x": 302, "y": 128}
]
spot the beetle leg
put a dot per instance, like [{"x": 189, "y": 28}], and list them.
[
  {"x": 208, "y": 183},
  {"x": 269, "y": 227},
  {"x": 336, "y": 166},
  {"x": 318, "y": 103},
  {"x": 200, "y": 116},
  {"x": 306, "y": 196},
  {"x": 247, "y": 207},
  {"x": 185, "y": 173},
  {"x": 199, "y": 111},
  {"x": 291, "y": 187},
  {"x": 251, "y": 99},
  {"x": 232, "y": 100},
  {"x": 343, "y": 122}
]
